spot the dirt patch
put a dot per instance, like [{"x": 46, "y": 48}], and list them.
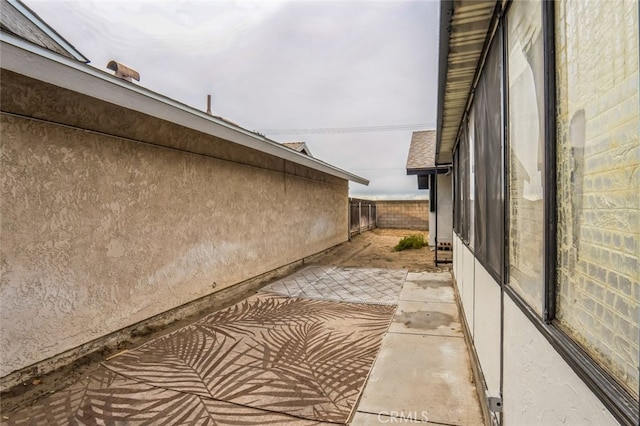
[{"x": 372, "y": 249}]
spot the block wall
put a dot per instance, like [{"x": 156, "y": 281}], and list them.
[{"x": 412, "y": 214}]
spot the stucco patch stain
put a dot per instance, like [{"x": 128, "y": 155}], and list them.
[
  {"x": 423, "y": 320},
  {"x": 115, "y": 249},
  {"x": 431, "y": 284}
]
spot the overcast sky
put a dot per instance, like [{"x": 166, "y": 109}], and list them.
[{"x": 281, "y": 65}]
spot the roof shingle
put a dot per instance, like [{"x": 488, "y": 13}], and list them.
[{"x": 422, "y": 152}]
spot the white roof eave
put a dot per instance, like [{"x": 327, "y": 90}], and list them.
[{"x": 41, "y": 64}]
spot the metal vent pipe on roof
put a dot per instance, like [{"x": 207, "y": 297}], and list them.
[
  {"x": 209, "y": 105},
  {"x": 124, "y": 72}
]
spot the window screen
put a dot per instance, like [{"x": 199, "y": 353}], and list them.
[
  {"x": 487, "y": 151},
  {"x": 456, "y": 190}
]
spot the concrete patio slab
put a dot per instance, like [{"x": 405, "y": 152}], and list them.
[
  {"x": 423, "y": 374},
  {"x": 429, "y": 276},
  {"x": 427, "y": 318},
  {"x": 366, "y": 419},
  {"x": 428, "y": 290}
]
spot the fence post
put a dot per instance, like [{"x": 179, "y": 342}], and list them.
[
  {"x": 375, "y": 215},
  {"x": 359, "y": 217},
  {"x": 369, "y": 223},
  {"x": 349, "y": 219}
]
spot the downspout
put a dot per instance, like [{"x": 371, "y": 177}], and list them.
[{"x": 435, "y": 213}]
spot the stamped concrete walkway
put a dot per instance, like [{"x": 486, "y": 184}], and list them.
[{"x": 423, "y": 373}]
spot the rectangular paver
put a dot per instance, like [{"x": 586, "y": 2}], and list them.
[{"x": 341, "y": 284}]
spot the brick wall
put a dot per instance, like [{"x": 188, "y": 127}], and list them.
[
  {"x": 409, "y": 214},
  {"x": 598, "y": 182}
]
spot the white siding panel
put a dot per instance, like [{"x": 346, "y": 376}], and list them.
[
  {"x": 468, "y": 287},
  {"x": 487, "y": 329},
  {"x": 539, "y": 386}
]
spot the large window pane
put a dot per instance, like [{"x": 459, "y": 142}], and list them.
[
  {"x": 526, "y": 140},
  {"x": 488, "y": 169},
  {"x": 463, "y": 149},
  {"x": 599, "y": 181},
  {"x": 457, "y": 199},
  {"x": 472, "y": 178}
]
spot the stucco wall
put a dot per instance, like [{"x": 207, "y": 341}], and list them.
[
  {"x": 404, "y": 214},
  {"x": 99, "y": 232},
  {"x": 445, "y": 208}
]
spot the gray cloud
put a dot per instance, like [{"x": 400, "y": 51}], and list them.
[{"x": 285, "y": 65}]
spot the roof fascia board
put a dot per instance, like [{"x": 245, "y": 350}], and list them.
[
  {"x": 442, "y": 168},
  {"x": 446, "y": 12},
  {"x": 41, "y": 64},
  {"x": 498, "y": 11},
  {"x": 33, "y": 17}
]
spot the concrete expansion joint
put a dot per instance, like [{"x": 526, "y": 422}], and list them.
[
  {"x": 389, "y": 416},
  {"x": 404, "y": 333},
  {"x": 430, "y": 301},
  {"x": 444, "y": 424}
]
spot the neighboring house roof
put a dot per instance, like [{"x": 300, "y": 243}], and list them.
[
  {"x": 16, "y": 18},
  {"x": 39, "y": 63},
  {"x": 299, "y": 146},
  {"x": 422, "y": 153},
  {"x": 464, "y": 26}
]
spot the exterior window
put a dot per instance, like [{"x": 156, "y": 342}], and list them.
[
  {"x": 464, "y": 181},
  {"x": 486, "y": 121},
  {"x": 598, "y": 183},
  {"x": 457, "y": 199},
  {"x": 525, "y": 60},
  {"x": 472, "y": 179}
]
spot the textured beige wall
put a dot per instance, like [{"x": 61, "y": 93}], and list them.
[{"x": 99, "y": 232}]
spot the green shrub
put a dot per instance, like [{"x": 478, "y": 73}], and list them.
[{"x": 414, "y": 241}]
